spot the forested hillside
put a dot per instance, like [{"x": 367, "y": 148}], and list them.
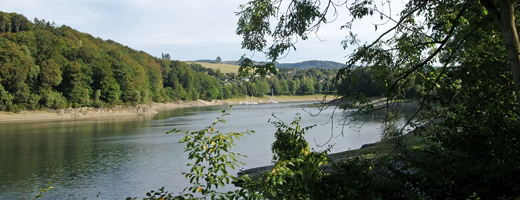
[
  {"x": 46, "y": 66},
  {"x": 42, "y": 65}
]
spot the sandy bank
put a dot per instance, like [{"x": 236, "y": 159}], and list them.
[{"x": 132, "y": 111}]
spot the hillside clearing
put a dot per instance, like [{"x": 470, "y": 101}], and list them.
[{"x": 224, "y": 68}]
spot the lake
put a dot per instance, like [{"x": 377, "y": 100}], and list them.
[{"x": 127, "y": 157}]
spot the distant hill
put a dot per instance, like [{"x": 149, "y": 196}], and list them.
[
  {"x": 230, "y": 62},
  {"x": 299, "y": 65},
  {"x": 311, "y": 64},
  {"x": 206, "y": 61}
]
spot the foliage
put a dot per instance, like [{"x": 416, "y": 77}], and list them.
[
  {"x": 359, "y": 178},
  {"x": 12, "y": 22},
  {"x": 297, "y": 173},
  {"x": 458, "y": 59},
  {"x": 212, "y": 155},
  {"x": 477, "y": 140},
  {"x": 6, "y": 99},
  {"x": 60, "y": 67},
  {"x": 43, "y": 65},
  {"x": 289, "y": 141}
]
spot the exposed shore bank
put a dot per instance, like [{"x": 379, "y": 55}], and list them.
[{"x": 131, "y": 111}]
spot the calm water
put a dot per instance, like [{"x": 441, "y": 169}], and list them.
[{"x": 119, "y": 158}]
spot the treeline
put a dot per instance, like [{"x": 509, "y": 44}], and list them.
[
  {"x": 285, "y": 82},
  {"x": 45, "y": 66},
  {"x": 311, "y": 64},
  {"x": 42, "y": 65}
]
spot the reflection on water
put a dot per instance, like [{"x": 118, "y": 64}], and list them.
[{"x": 122, "y": 157}]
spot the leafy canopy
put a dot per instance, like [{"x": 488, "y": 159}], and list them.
[{"x": 458, "y": 60}]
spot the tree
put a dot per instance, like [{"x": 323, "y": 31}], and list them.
[
  {"x": 50, "y": 74},
  {"x": 15, "y": 68},
  {"x": 208, "y": 89},
  {"x": 307, "y": 88},
  {"x": 293, "y": 85},
  {"x": 296, "y": 173},
  {"x": 211, "y": 153},
  {"x": 45, "y": 45},
  {"x": 447, "y": 55},
  {"x": 284, "y": 87},
  {"x": 425, "y": 31},
  {"x": 318, "y": 86},
  {"x": 218, "y": 60},
  {"x": 503, "y": 13},
  {"x": 218, "y": 73},
  {"x": 6, "y": 99},
  {"x": 42, "y": 64},
  {"x": 76, "y": 84},
  {"x": 414, "y": 45}
]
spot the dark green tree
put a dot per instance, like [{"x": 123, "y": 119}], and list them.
[
  {"x": 294, "y": 85},
  {"x": 284, "y": 87},
  {"x": 209, "y": 87},
  {"x": 50, "y": 74},
  {"x": 458, "y": 59},
  {"x": 15, "y": 67},
  {"x": 6, "y": 99},
  {"x": 76, "y": 84}
]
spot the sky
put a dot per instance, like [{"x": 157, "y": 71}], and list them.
[{"x": 186, "y": 29}]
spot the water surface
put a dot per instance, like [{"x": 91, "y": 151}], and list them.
[{"x": 127, "y": 157}]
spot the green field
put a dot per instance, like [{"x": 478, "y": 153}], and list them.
[
  {"x": 224, "y": 68},
  {"x": 381, "y": 149}
]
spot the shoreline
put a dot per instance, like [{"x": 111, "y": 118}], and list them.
[{"x": 130, "y": 111}]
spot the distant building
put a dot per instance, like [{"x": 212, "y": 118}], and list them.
[{"x": 166, "y": 56}]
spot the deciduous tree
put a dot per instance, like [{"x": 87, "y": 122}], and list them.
[{"x": 461, "y": 59}]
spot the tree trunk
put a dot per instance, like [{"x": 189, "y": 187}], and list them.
[{"x": 508, "y": 29}]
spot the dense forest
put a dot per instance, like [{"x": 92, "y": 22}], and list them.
[
  {"x": 42, "y": 65},
  {"x": 46, "y": 66}
]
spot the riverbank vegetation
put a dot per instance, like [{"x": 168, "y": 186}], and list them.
[
  {"x": 458, "y": 59},
  {"x": 43, "y": 65}
]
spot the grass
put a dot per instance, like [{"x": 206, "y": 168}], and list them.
[
  {"x": 380, "y": 149},
  {"x": 224, "y": 68}
]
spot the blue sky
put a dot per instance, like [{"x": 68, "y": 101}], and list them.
[{"x": 186, "y": 29}]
